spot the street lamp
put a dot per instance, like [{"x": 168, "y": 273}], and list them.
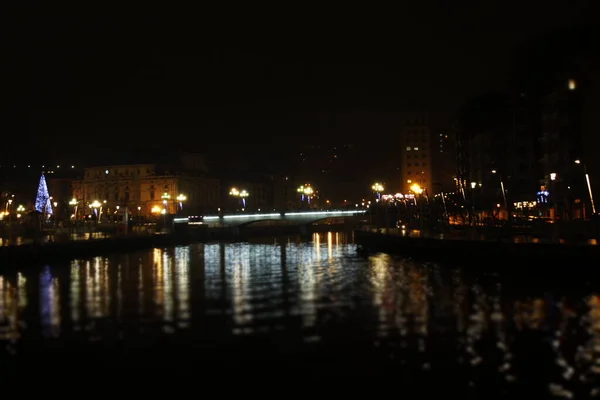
[
  {"x": 552, "y": 194},
  {"x": 243, "y": 195},
  {"x": 96, "y": 205},
  {"x": 377, "y": 188},
  {"x": 181, "y": 198},
  {"x": 165, "y": 198},
  {"x": 473, "y": 186},
  {"x": 239, "y": 194},
  {"x": 589, "y": 185},
  {"x": 306, "y": 191},
  {"x": 10, "y": 201},
  {"x": 74, "y": 203},
  {"x": 416, "y": 188},
  {"x": 503, "y": 191}
]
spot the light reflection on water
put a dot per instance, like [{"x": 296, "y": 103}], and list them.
[{"x": 314, "y": 293}]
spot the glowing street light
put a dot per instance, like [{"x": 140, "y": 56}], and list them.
[
  {"x": 377, "y": 188},
  {"x": 306, "y": 191},
  {"x": 97, "y": 207},
  {"x": 589, "y": 185},
  {"x": 74, "y": 204},
  {"x": 416, "y": 188},
  {"x": 503, "y": 190},
  {"x": 181, "y": 198},
  {"x": 243, "y": 195}
]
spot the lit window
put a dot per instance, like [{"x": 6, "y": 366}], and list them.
[
  {"x": 416, "y": 148},
  {"x": 106, "y": 172},
  {"x": 572, "y": 84},
  {"x": 407, "y": 148},
  {"x": 409, "y": 181}
]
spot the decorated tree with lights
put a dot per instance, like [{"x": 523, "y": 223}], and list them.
[{"x": 42, "y": 200}]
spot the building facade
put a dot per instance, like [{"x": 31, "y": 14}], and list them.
[
  {"x": 416, "y": 155},
  {"x": 147, "y": 189}
]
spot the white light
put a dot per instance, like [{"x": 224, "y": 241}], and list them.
[
  {"x": 251, "y": 215},
  {"x": 177, "y": 220},
  {"x": 325, "y": 212},
  {"x": 291, "y": 214}
]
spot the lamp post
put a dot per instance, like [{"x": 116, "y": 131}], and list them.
[
  {"x": 473, "y": 185},
  {"x": 96, "y": 205},
  {"x": 10, "y": 201},
  {"x": 73, "y": 203},
  {"x": 181, "y": 198},
  {"x": 239, "y": 194},
  {"x": 243, "y": 195},
  {"x": 553, "y": 194},
  {"x": 165, "y": 198},
  {"x": 503, "y": 191},
  {"x": 589, "y": 185},
  {"x": 377, "y": 188},
  {"x": 306, "y": 191}
]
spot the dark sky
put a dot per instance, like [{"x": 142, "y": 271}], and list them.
[{"x": 209, "y": 80}]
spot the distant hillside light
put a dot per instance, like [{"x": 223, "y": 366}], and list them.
[{"x": 572, "y": 84}]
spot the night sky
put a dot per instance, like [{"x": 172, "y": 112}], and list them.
[{"x": 96, "y": 88}]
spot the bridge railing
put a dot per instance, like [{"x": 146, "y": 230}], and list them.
[{"x": 274, "y": 215}]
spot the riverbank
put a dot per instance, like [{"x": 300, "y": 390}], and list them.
[
  {"x": 60, "y": 248},
  {"x": 481, "y": 254}
]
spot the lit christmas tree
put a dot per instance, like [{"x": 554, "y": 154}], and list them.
[{"x": 42, "y": 200}]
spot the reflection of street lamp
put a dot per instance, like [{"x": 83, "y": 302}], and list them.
[
  {"x": 589, "y": 185},
  {"x": 377, "y": 188}
]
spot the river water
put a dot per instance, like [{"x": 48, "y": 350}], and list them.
[{"x": 314, "y": 307}]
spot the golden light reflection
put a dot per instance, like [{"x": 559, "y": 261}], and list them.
[
  {"x": 330, "y": 246},
  {"x": 22, "y": 290},
  {"x": 8, "y": 311},
  {"x": 75, "y": 294},
  {"x": 168, "y": 295},
  {"x": 182, "y": 284},
  {"x": 238, "y": 256},
  {"x": 97, "y": 293},
  {"x": 309, "y": 264},
  {"x": 380, "y": 279},
  {"x": 158, "y": 280}
]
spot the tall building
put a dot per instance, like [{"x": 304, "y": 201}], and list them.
[
  {"x": 443, "y": 161},
  {"x": 416, "y": 155}
]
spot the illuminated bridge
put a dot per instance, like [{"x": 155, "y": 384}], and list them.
[{"x": 288, "y": 218}]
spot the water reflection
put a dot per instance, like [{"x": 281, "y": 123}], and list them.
[{"x": 398, "y": 313}]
